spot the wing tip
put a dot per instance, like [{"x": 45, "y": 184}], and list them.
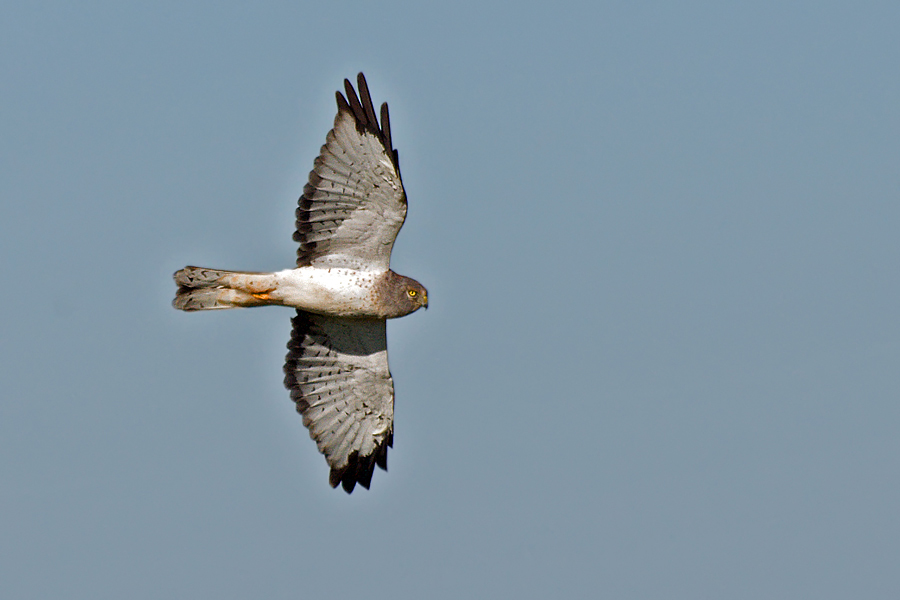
[
  {"x": 359, "y": 469},
  {"x": 363, "y": 110}
]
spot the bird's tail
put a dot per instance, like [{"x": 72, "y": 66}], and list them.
[{"x": 213, "y": 289}]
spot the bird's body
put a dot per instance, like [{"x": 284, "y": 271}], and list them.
[
  {"x": 331, "y": 291},
  {"x": 342, "y": 287}
]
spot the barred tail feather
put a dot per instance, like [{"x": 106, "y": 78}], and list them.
[
  {"x": 189, "y": 300},
  {"x": 214, "y": 289}
]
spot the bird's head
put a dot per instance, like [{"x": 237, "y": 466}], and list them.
[
  {"x": 402, "y": 295},
  {"x": 416, "y": 294}
]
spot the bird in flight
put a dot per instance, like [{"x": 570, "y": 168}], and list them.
[{"x": 342, "y": 287}]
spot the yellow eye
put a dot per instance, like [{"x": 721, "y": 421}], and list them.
[{"x": 412, "y": 293}]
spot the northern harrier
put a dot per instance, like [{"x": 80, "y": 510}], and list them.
[{"x": 343, "y": 289}]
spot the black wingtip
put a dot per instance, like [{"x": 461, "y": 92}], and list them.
[
  {"x": 366, "y": 470},
  {"x": 357, "y": 470},
  {"x": 343, "y": 105},
  {"x": 348, "y": 483},
  {"x": 358, "y": 112},
  {"x": 363, "y": 111},
  {"x": 345, "y": 476},
  {"x": 386, "y": 127},
  {"x": 366, "y": 100}
]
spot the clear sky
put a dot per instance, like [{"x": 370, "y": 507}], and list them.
[{"x": 662, "y": 358}]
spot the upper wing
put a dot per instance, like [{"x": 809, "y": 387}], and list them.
[
  {"x": 354, "y": 204},
  {"x": 337, "y": 372}
]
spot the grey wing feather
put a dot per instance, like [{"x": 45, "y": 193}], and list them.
[
  {"x": 354, "y": 204},
  {"x": 337, "y": 372}
]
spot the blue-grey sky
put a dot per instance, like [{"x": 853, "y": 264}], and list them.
[{"x": 662, "y": 358}]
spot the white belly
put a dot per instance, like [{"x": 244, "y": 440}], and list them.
[{"x": 339, "y": 292}]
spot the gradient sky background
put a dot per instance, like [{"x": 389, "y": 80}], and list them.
[{"x": 662, "y": 358}]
